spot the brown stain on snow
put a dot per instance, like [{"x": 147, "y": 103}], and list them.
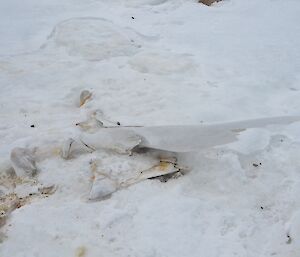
[{"x": 80, "y": 251}]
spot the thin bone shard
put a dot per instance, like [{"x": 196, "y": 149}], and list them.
[
  {"x": 199, "y": 137},
  {"x": 84, "y": 96}
]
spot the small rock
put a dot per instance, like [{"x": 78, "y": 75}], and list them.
[
  {"x": 289, "y": 241},
  {"x": 208, "y": 2}
]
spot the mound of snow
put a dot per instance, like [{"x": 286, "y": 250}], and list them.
[
  {"x": 94, "y": 38},
  {"x": 160, "y": 63}
]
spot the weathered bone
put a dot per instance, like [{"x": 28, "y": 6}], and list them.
[{"x": 176, "y": 138}]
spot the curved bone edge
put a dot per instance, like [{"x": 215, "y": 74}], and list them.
[
  {"x": 199, "y": 137},
  {"x": 102, "y": 188}
]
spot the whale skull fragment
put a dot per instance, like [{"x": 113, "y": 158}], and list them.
[
  {"x": 179, "y": 139},
  {"x": 125, "y": 140}
]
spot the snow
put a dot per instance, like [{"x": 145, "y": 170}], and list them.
[{"x": 152, "y": 63}]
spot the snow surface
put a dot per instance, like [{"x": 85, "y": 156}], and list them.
[{"x": 154, "y": 62}]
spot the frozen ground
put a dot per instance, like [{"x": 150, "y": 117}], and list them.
[{"x": 154, "y": 62}]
